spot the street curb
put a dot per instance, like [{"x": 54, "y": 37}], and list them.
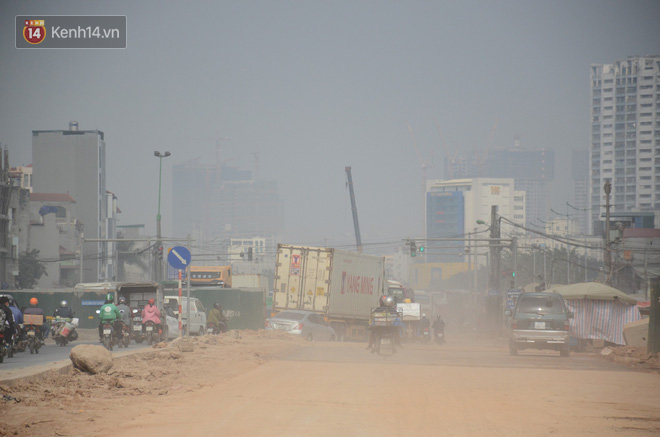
[{"x": 38, "y": 373}]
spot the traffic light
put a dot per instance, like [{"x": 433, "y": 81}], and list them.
[
  {"x": 421, "y": 249},
  {"x": 249, "y": 254},
  {"x": 413, "y": 248},
  {"x": 159, "y": 252}
]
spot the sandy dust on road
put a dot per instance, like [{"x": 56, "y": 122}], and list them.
[{"x": 248, "y": 387}]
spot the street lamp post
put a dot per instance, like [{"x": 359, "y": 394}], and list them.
[{"x": 159, "y": 242}]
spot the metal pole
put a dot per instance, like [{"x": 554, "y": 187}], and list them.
[
  {"x": 180, "y": 315},
  {"x": 158, "y": 234},
  {"x": 515, "y": 260},
  {"x": 545, "y": 272},
  {"x": 608, "y": 259},
  {"x": 470, "y": 258},
  {"x": 568, "y": 265},
  {"x": 586, "y": 259},
  {"x": 159, "y": 243},
  {"x": 82, "y": 241},
  {"x": 188, "y": 291}
]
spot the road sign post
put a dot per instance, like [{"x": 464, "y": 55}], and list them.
[{"x": 179, "y": 258}]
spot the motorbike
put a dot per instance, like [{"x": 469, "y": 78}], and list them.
[
  {"x": 212, "y": 328},
  {"x": 426, "y": 334},
  {"x": 123, "y": 334},
  {"x": 440, "y": 336},
  {"x": 63, "y": 330},
  {"x": 3, "y": 351},
  {"x": 151, "y": 332},
  {"x": 136, "y": 326},
  {"x": 33, "y": 341},
  {"x": 7, "y": 345},
  {"x": 108, "y": 337},
  {"x": 20, "y": 341}
]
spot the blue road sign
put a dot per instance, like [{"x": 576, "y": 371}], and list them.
[{"x": 179, "y": 257}]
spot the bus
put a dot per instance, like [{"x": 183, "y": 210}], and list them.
[{"x": 210, "y": 275}]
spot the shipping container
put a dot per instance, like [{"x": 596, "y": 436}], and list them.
[
  {"x": 341, "y": 286},
  {"x": 250, "y": 280}
]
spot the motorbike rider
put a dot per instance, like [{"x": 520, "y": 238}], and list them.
[
  {"x": 424, "y": 323},
  {"x": 217, "y": 317},
  {"x": 125, "y": 318},
  {"x": 108, "y": 314},
  {"x": 65, "y": 312},
  {"x": 36, "y": 311},
  {"x": 386, "y": 304},
  {"x": 438, "y": 325},
  {"x": 150, "y": 313},
  {"x": 9, "y": 325}
]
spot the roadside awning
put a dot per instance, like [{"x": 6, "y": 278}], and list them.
[{"x": 592, "y": 290}]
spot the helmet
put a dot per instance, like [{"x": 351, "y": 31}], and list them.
[
  {"x": 152, "y": 301},
  {"x": 34, "y": 301},
  {"x": 63, "y": 304},
  {"x": 122, "y": 300},
  {"x": 109, "y": 298},
  {"x": 389, "y": 301}
]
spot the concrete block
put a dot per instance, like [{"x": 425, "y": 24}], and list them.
[{"x": 636, "y": 333}]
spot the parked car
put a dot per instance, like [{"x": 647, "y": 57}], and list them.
[
  {"x": 197, "y": 312},
  {"x": 172, "y": 322},
  {"x": 308, "y": 324},
  {"x": 540, "y": 321}
]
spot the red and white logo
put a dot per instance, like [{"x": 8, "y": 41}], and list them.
[{"x": 34, "y": 31}]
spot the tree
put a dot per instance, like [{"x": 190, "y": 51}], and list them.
[
  {"x": 30, "y": 269},
  {"x": 129, "y": 255}
]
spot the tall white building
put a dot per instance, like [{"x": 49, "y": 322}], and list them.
[
  {"x": 625, "y": 137},
  {"x": 453, "y": 208},
  {"x": 73, "y": 162}
]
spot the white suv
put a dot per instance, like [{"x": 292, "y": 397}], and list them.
[{"x": 197, "y": 313}]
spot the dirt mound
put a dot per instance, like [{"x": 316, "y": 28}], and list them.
[
  {"x": 59, "y": 402},
  {"x": 632, "y": 357}
]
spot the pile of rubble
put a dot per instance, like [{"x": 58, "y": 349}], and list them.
[{"x": 631, "y": 356}]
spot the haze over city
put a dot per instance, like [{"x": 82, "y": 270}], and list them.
[{"x": 312, "y": 87}]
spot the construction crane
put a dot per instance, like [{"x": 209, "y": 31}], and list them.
[{"x": 354, "y": 209}]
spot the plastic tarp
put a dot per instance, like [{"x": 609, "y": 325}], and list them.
[
  {"x": 592, "y": 290},
  {"x": 601, "y": 319}
]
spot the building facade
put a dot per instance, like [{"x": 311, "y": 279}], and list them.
[
  {"x": 453, "y": 208},
  {"x": 73, "y": 161},
  {"x": 625, "y": 137},
  {"x": 216, "y": 203},
  {"x": 55, "y": 232},
  {"x": 531, "y": 169}
]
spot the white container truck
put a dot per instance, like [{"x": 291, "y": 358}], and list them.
[{"x": 341, "y": 286}]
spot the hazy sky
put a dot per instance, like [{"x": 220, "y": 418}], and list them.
[{"x": 316, "y": 86}]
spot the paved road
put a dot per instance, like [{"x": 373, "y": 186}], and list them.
[
  {"x": 51, "y": 353},
  {"x": 462, "y": 353}
]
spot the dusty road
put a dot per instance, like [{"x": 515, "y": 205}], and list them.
[{"x": 270, "y": 384}]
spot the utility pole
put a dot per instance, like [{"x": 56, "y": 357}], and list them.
[
  {"x": 608, "y": 256},
  {"x": 654, "y": 319},
  {"x": 495, "y": 249}
]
